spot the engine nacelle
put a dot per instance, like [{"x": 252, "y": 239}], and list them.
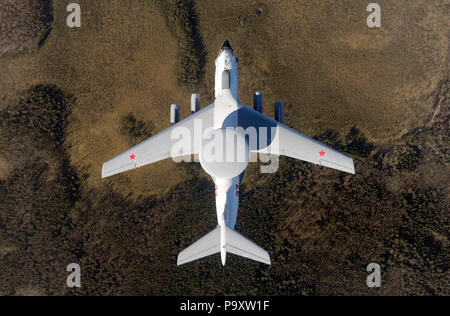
[
  {"x": 258, "y": 101},
  {"x": 279, "y": 112},
  {"x": 174, "y": 114},
  {"x": 195, "y": 103}
]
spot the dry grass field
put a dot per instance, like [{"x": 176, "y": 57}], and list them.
[
  {"x": 24, "y": 25},
  {"x": 319, "y": 57},
  {"x": 333, "y": 72}
]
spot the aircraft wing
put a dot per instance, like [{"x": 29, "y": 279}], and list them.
[
  {"x": 159, "y": 147},
  {"x": 285, "y": 141}
]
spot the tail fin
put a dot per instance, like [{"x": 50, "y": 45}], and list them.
[{"x": 236, "y": 244}]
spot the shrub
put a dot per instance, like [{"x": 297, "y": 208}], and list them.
[
  {"x": 409, "y": 157},
  {"x": 181, "y": 19},
  {"x": 357, "y": 144},
  {"x": 41, "y": 112},
  {"x": 137, "y": 130}
]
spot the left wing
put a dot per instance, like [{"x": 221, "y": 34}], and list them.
[
  {"x": 285, "y": 141},
  {"x": 159, "y": 147},
  {"x": 206, "y": 246}
]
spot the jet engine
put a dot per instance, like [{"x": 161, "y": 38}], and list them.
[
  {"x": 279, "y": 112},
  {"x": 258, "y": 102},
  {"x": 174, "y": 114},
  {"x": 195, "y": 103}
]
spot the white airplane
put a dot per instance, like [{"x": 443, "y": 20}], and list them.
[{"x": 224, "y": 113}]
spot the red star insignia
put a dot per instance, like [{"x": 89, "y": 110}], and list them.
[
  {"x": 322, "y": 153},
  {"x": 132, "y": 157}
]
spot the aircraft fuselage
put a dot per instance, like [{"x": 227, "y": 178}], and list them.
[{"x": 225, "y": 116}]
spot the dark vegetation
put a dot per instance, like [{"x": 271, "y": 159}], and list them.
[
  {"x": 41, "y": 113},
  {"x": 408, "y": 158},
  {"x": 321, "y": 227},
  {"x": 24, "y": 25},
  {"x": 136, "y": 130},
  {"x": 181, "y": 19},
  {"x": 39, "y": 194},
  {"x": 357, "y": 144}
]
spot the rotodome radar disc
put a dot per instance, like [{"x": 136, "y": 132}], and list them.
[{"x": 225, "y": 154}]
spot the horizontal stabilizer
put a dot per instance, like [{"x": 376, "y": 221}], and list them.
[
  {"x": 236, "y": 244},
  {"x": 241, "y": 246},
  {"x": 206, "y": 246}
]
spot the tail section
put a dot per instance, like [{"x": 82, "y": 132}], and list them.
[
  {"x": 241, "y": 246},
  {"x": 234, "y": 242},
  {"x": 207, "y": 246}
]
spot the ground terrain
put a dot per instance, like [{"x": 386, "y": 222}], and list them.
[{"x": 70, "y": 99}]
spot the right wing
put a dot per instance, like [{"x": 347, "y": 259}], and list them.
[
  {"x": 282, "y": 140},
  {"x": 159, "y": 147},
  {"x": 241, "y": 246}
]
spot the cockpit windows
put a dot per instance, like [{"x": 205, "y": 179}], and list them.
[{"x": 225, "y": 80}]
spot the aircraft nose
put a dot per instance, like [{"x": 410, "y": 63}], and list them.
[{"x": 227, "y": 45}]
